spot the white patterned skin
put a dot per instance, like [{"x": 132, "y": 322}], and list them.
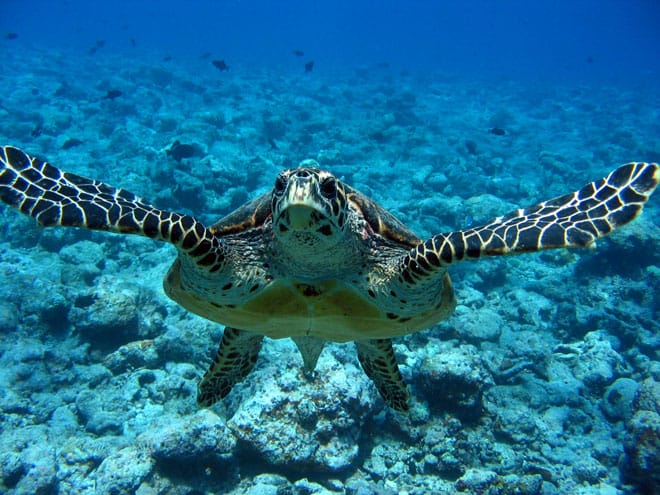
[
  {"x": 318, "y": 266},
  {"x": 315, "y": 259},
  {"x": 315, "y": 266}
]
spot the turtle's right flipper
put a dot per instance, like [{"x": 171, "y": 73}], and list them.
[
  {"x": 54, "y": 197},
  {"x": 236, "y": 357},
  {"x": 576, "y": 219}
]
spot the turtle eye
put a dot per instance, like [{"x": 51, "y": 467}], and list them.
[
  {"x": 329, "y": 188},
  {"x": 280, "y": 184}
]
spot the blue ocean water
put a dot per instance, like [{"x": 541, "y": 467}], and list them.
[
  {"x": 544, "y": 381},
  {"x": 549, "y": 39}
]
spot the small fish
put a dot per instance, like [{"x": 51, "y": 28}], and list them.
[
  {"x": 273, "y": 144},
  {"x": 498, "y": 131},
  {"x": 112, "y": 94},
  {"x": 471, "y": 147},
  {"x": 167, "y": 58},
  {"x": 220, "y": 65},
  {"x": 99, "y": 44},
  {"x": 71, "y": 143},
  {"x": 11, "y": 36},
  {"x": 133, "y": 42},
  {"x": 298, "y": 53},
  {"x": 309, "y": 66},
  {"x": 180, "y": 151},
  {"x": 36, "y": 132}
]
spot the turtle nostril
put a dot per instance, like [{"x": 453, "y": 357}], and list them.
[{"x": 302, "y": 174}]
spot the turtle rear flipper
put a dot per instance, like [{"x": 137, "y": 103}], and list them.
[
  {"x": 57, "y": 198},
  {"x": 234, "y": 360},
  {"x": 379, "y": 363},
  {"x": 572, "y": 220}
]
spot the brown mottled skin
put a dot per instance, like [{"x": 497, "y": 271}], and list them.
[{"x": 315, "y": 260}]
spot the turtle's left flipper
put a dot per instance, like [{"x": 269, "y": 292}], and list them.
[
  {"x": 379, "y": 363},
  {"x": 236, "y": 357},
  {"x": 573, "y": 220},
  {"x": 54, "y": 197}
]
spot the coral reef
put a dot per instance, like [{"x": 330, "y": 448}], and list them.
[{"x": 545, "y": 381}]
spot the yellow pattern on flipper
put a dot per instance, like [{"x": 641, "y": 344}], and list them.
[{"x": 316, "y": 260}]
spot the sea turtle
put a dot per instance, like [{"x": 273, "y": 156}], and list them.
[{"x": 315, "y": 260}]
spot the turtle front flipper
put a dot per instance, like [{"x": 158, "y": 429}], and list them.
[
  {"x": 236, "y": 357},
  {"x": 573, "y": 220},
  {"x": 53, "y": 197},
  {"x": 379, "y": 363}
]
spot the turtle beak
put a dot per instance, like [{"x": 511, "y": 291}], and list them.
[
  {"x": 302, "y": 212},
  {"x": 299, "y": 192},
  {"x": 300, "y": 207}
]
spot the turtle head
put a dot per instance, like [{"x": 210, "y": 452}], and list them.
[{"x": 309, "y": 206}]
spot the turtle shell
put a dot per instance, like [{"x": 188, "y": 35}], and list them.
[
  {"x": 254, "y": 213},
  {"x": 380, "y": 220}
]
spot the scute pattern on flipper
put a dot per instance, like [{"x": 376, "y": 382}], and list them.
[
  {"x": 572, "y": 220},
  {"x": 234, "y": 360},
  {"x": 53, "y": 197},
  {"x": 379, "y": 363},
  {"x": 381, "y": 258}
]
